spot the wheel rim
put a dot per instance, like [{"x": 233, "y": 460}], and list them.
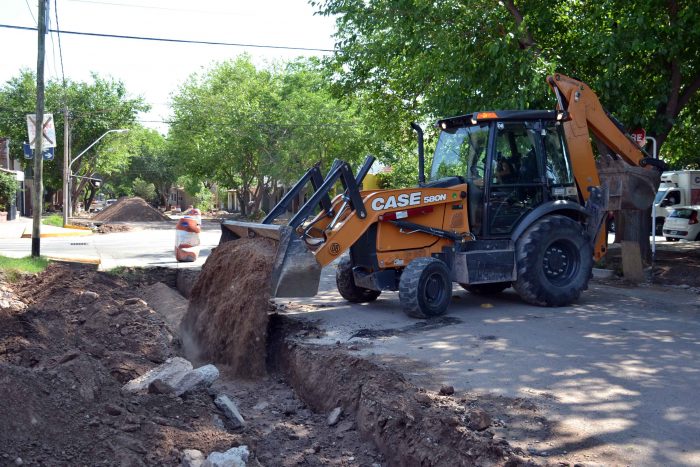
[
  {"x": 560, "y": 262},
  {"x": 434, "y": 290}
]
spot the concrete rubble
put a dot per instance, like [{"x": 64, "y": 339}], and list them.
[
  {"x": 176, "y": 373},
  {"x": 234, "y": 457},
  {"x": 229, "y": 408},
  {"x": 334, "y": 416},
  {"x": 192, "y": 458}
]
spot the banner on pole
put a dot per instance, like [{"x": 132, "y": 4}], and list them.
[{"x": 48, "y": 131}]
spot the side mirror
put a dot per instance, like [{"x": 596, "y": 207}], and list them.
[{"x": 665, "y": 203}]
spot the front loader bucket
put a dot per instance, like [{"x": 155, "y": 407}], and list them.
[
  {"x": 295, "y": 272},
  {"x": 629, "y": 187}
]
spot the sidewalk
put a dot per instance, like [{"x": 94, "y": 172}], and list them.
[{"x": 22, "y": 228}]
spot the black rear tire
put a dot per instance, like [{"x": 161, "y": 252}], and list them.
[
  {"x": 345, "y": 280},
  {"x": 486, "y": 289},
  {"x": 425, "y": 288},
  {"x": 554, "y": 260}
]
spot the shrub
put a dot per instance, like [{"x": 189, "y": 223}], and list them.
[{"x": 8, "y": 190}]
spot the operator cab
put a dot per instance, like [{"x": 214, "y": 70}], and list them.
[{"x": 512, "y": 162}]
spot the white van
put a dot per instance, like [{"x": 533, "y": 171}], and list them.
[{"x": 678, "y": 188}]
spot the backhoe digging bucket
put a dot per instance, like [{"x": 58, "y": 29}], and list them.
[
  {"x": 629, "y": 187},
  {"x": 295, "y": 273}
]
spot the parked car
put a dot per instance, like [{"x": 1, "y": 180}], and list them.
[{"x": 682, "y": 223}]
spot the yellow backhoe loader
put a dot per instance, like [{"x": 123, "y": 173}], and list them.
[{"x": 513, "y": 198}]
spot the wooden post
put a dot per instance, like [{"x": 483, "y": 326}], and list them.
[
  {"x": 66, "y": 165},
  {"x": 38, "y": 192}
]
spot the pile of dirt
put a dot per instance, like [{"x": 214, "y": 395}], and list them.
[
  {"x": 71, "y": 337},
  {"x": 112, "y": 228},
  {"x": 226, "y": 321},
  {"x": 130, "y": 210},
  {"x": 63, "y": 360}
]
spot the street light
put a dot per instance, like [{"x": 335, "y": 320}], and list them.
[{"x": 67, "y": 174}]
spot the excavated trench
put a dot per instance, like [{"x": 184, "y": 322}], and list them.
[
  {"x": 408, "y": 425},
  {"x": 228, "y": 321}
]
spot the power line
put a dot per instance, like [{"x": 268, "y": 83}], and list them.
[
  {"x": 53, "y": 51},
  {"x": 60, "y": 49},
  {"x": 30, "y": 11},
  {"x": 178, "y": 41}
]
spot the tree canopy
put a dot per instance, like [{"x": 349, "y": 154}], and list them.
[
  {"x": 448, "y": 57},
  {"x": 248, "y": 129},
  {"x": 94, "y": 108}
]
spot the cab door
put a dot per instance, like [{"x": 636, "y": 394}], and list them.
[{"x": 515, "y": 177}]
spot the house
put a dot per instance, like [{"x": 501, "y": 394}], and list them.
[{"x": 22, "y": 204}]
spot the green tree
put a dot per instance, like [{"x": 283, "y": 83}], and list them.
[
  {"x": 248, "y": 129},
  {"x": 8, "y": 189},
  {"x": 94, "y": 107},
  {"x": 144, "y": 189},
  {"x": 447, "y": 57},
  {"x": 153, "y": 159}
]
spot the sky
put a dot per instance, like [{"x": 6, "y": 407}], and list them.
[{"x": 154, "y": 70}]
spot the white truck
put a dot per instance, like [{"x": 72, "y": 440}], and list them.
[{"x": 678, "y": 188}]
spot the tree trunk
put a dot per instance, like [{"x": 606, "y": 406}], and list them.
[
  {"x": 243, "y": 200},
  {"x": 635, "y": 226}
]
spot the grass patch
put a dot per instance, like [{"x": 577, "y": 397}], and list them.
[
  {"x": 14, "y": 268},
  {"x": 120, "y": 271},
  {"x": 53, "y": 219}
]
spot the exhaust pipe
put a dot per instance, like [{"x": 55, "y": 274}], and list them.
[{"x": 421, "y": 154}]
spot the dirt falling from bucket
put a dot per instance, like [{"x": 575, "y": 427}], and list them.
[{"x": 226, "y": 321}]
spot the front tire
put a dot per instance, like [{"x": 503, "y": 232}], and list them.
[
  {"x": 425, "y": 288},
  {"x": 554, "y": 260},
  {"x": 345, "y": 280}
]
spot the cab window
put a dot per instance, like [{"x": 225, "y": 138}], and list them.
[{"x": 557, "y": 163}]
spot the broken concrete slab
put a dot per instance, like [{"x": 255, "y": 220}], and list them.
[
  {"x": 229, "y": 408},
  {"x": 175, "y": 375},
  {"x": 234, "y": 457},
  {"x": 169, "y": 372},
  {"x": 168, "y": 303},
  {"x": 192, "y": 458},
  {"x": 198, "y": 378},
  {"x": 334, "y": 416}
]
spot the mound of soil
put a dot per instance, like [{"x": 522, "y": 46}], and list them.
[
  {"x": 63, "y": 361},
  {"x": 130, "y": 210},
  {"x": 226, "y": 321},
  {"x": 112, "y": 228}
]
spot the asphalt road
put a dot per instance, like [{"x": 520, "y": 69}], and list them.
[
  {"x": 147, "y": 245},
  {"x": 617, "y": 374}
]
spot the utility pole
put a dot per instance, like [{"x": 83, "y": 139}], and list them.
[
  {"x": 66, "y": 164},
  {"x": 38, "y": 193}
]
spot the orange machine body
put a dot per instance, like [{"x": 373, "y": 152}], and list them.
[{"x": 440, "y": 208}]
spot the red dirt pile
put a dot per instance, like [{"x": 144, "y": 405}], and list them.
[
  {"x": 130, "y": 210},
  {"x": 227, "y": 316}
]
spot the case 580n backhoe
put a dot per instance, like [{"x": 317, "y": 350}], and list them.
[{"x": 513, "y": 198}]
